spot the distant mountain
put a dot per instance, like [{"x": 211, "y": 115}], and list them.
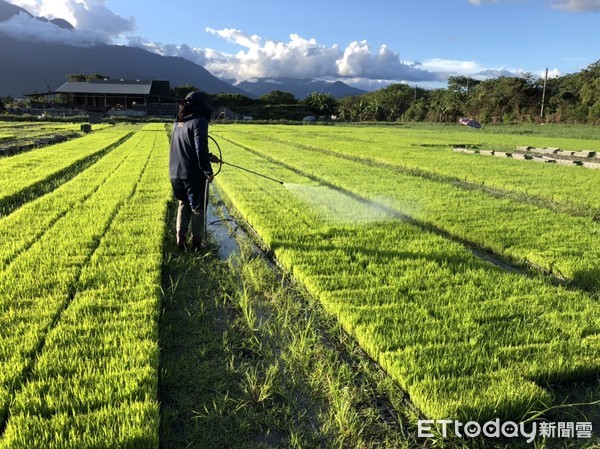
[
  {"x": 29, "y": 67},
  {"x": 34, "y": 66},
  {"x": 299, "y": 87},
  {"x": 8, "y": 10}
]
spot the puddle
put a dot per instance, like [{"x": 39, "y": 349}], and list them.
[{"x": 224, "y": 231}]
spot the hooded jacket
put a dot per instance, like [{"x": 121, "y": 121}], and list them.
[{"x": 189, "y": 157}]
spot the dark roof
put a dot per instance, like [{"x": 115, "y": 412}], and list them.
[{"x": 115, "y": 87}]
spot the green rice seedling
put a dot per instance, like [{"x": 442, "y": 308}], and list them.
[
  {"x": 100, "y": 353},
  {"x": 28, "y": 223},
  {"x": 25, "y": 173},
  {"x": 556, "y": 243},
  {"x": 442, "y": 322},
  {"x": 427, "y": 150},
  {"x": 129, "y": 426}
]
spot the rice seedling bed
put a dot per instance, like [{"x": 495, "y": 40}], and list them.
[
  {"x": 463, "y": 337},
  {"x": 525, "y": 234},
  {"x": 28, "y": 175},
  {"x": 428, "y": 151},
  {"x": 80, "y": 353}
]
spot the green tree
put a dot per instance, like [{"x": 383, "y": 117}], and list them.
[
  {"x": 233, "y": 100},
  {"x": 321, "y": 104},
  {"x": 418, "y": 110},
  {"x": 350, "y": 108},
  {"x": 179, "y": 92},
  {"x": 84, "y": 77},
  {"x": 278, "y": 97},
  {"x": 504, "y": 99},
  {"x": 391, "y": 102},
  {"x": 445, "y": 105},
  {"x": 7, "y": 101},
  {"x": 462, "y": 85}
]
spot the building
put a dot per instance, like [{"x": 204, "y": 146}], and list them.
[{"x": 119, "y": 97}]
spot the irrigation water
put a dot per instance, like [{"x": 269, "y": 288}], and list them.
[{"x": 335, "y": 207}]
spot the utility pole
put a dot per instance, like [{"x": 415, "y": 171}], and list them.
[{"x": 544, "y": 94}]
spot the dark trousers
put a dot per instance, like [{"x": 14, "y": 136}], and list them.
[{"x": 191, "y": 195}]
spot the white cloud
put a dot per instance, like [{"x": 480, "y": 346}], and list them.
[
  {"x": 563, "y": 5},
  {"x": 359, "y": 61},
  {"x": 577, "y": 5},
  {"x": 88, "y": 16},
  {"x": 297, "y": 58},
  {"x": 236, "y": 36},
  {"x": 450, "y": 67},
  {"x": 26, "y": 28}
]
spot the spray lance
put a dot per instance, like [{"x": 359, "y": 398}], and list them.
[{"x": 221, "y": 162}]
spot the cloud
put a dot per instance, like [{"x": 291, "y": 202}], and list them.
[
  {"x": 573, "y": 6},
  {"x": 297, "y": 58},
  {"x": 577, "y": 5},
  {"x": 359, "y": 61},
  {"x": 449, "y": 67},
  {"x": 90, "y": 17},
  {"x": 26, "y": 28}
]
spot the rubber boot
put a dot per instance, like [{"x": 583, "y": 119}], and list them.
[
  {"x": 181, "y": 240},
  {"x": 197, "y": 228},
  {"x": 196, "y": 244},
  {"x": 183, "y": 220}
]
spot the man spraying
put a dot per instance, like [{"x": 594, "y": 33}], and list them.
[{"x": 190, "y": 167}]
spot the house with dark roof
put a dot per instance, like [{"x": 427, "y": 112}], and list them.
[{"x": 120, "y": 97}]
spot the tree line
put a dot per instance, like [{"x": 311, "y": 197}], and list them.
[{"x": 573, "y": 98}]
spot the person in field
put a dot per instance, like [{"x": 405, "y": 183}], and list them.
[{"x": 190, "y": 167}]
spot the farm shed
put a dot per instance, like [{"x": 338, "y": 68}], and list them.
[{"x": 132, "y": 97}]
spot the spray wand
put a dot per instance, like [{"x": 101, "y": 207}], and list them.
[
  {"x": 253, "y": 172},
  {"x": 220, "y": 161}
]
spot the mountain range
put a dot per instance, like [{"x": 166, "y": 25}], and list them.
[
  {"x": 300, "y": 87},
  {"x": 34, "y": 65}
]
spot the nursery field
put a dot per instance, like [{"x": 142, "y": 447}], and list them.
[
  {"x": 473, "y": 282},
  {"x": 16, "y": 137},
  {"x": 393, "y": 232},
  {"x": 80, "y": 293}
]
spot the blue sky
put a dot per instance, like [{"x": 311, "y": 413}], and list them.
[{"x": 366, "y": 44}]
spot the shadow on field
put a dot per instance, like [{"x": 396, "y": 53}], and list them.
[
  {"x": 579, "y": 402},
  {"x": 193, "y": 375},
  {"x": 195, "y": 378},
  {"x": 588, "y": 279},
  {"x": 201, "y": 386}
]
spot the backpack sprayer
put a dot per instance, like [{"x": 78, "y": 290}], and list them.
[{"x": 221, "y": 162}]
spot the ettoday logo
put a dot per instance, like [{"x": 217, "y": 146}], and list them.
[{"x": 509, "y": 429}]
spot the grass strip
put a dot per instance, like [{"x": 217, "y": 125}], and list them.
[{"x": 249, "y": 361}]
